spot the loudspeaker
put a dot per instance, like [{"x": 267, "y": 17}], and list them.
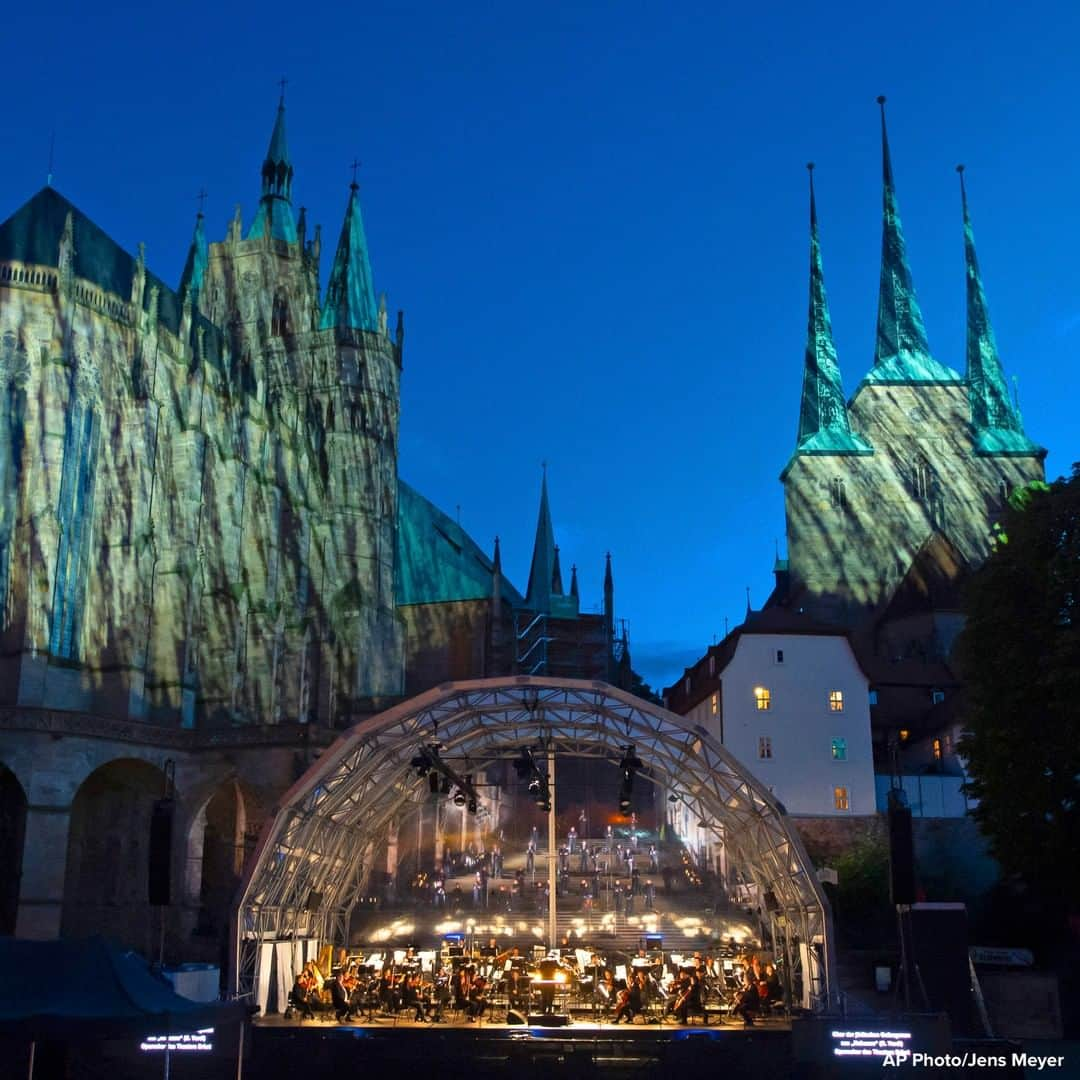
[
  {"x": 314, "y": 901},
  {"x": 160, "y": 863},
  {"x": 771, "y": 903},
  {"x": 901, "y": 856},
  {"x": 515, "y": 1017}
]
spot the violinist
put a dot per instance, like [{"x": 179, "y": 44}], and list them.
[
  {"x": 303, "y": 994},
  {"x": 412, "y": 996},
  {"x": 748, "y": 1000},
  {"x": 342, "y": 989}
]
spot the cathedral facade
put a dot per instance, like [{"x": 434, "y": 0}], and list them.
[{"x": 208, "y": 563}]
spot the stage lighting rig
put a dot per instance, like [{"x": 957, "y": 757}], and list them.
[
  {"x": 526, "y": 768},
  {"x": 629, "y": 764}
]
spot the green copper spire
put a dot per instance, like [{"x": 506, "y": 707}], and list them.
[
  {"x": 995, "y": 422},
  {"x": 275, "y": 217},
  {"x": 902, "y": 352},
  {"x": 823, "y": 419},
  {"x": 350, "y": 294},
  {"x": 542, "y": 571},
  {"x": 195, "y": 266}
]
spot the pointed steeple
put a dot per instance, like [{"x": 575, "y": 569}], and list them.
[
  {"x": 995, "y": 422},
  {"x": 275, "y": 216},
  {"x": 350, "y": 294},
  {"x": 824, "y": 427},
  {"x": 542, "y": 571},
  {"x": 573, "y": 583},
  {"x": 902, "y": 352},
  {"x": 496, "y": 560},
  {"x": 195, "y": 267},
  {"x": 556, "y": 575}
]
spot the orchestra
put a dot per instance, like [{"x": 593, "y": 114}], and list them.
[{"x": 651, "y": 985}]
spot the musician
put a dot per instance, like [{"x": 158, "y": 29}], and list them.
[
  {"x": 606, "y": 991},
  {"x": 631, "y": 1001},
  {"x": 440, "y": 994},
  {"x": 774, "y": 990},
  {"x": 303, "y": 995},
  {"x": 341, "y": 989},
  {"x": 412, "y": 997},
  {"x": 462, "y": 980},
  {"x": 748, "y": 1000},
  {"x": 689, "y": 999},
  {"x": 478, "y": 1002}
]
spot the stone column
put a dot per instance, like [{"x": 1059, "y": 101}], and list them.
[{"x": 41, "y": 891}]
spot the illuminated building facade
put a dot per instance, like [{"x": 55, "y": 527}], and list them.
[{"x": 208, "y": 563}]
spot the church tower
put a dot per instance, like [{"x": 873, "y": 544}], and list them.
[{"x": 898, "y": 489}]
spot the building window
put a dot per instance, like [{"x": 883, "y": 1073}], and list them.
[
  {"x": 686, "y": 685},
  {"x": 922, "y": 480},
  {"x": 948, "y": 744},
  {"x": 714, "y": 704},
  {"x": 937, "y": 749},
  {"x": 838, "y": 493},
  {"x": 764, "y": 747},
  {"x": 763, "y": 698},
  {"x": 873, "y": 697},
  {"x": 1004, "y": 491},
  {"x": 712, "y": 668},
  {"x": 904, "y": 734},
  {"x": 779, "y": 656},
  {"x": 839, "y": 749},
  {"x": 840, "y": 798},
  {"x": 836, "y": 701},
  {"x": 937, "y": 697},
  {"x": 279, "y": 317}
]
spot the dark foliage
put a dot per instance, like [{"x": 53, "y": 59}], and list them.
[{"x": 1020, "y": 653}]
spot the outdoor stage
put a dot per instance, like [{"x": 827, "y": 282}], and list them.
[{"x": 282, "y": 1048}]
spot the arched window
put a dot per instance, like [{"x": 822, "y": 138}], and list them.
[{"x": 279, "y": 317}]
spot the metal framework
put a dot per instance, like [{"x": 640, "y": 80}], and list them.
[{"x": 323, "y": 838}]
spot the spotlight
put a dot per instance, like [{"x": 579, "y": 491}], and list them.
[
  {"x": 673, "y": 798},
  {"x": 624, "y": 801},
  {"x": 433, "y": 783},
  {"x": 472, "y": 806},
  {"x": 524, "y": 764},
  {"x": 459, "y": 797},
  {"x": 421, "y": 764}
]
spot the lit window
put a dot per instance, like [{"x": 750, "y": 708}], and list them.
[
  {"x": 873, "y": 697},
  {"x": 779, "y": 656},
  {"x": 836, "y": 701},
  {"x": 904, "y": 734},
  {"x": 840, "y": 798},
  {"x": 763, "y": 698},
  {"x": 839, "y": 749},
  {"x": 764, "y": 747},
  {"x": 714, "y": 704},
  {"x": 937, "y": 749}
]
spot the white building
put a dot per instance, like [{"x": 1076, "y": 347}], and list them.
[{"x": 788, "y": 698}]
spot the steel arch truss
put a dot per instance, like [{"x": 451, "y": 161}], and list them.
[{"x": 323, "y": 838}]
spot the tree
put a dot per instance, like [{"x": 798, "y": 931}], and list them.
[{"x": 1020, "y": 656}]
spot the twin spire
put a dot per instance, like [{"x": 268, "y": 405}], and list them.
[{"x": 902, "y": 352}]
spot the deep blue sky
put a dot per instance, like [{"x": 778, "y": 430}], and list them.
[{"x": 594, "y": 216}]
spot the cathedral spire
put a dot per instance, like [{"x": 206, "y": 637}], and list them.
[
  {"x": 195, "y": 266},
  {"x": 902, "y": 352},
  {"x": 823, "y": 419},
  {"x": 275, "y": 216},
  {"x": 544, "y": 559},
  {"x": 350, "y": 294},
  {"x": 556, "y": 575},
  {"x": 995, "y": 422},
  {"x": 573, "y": 582}
]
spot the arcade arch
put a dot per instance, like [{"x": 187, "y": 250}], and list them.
[
  {"x": 12, "y": 831},
  {"x": 108, "y": 857},
  {"x": 315, "y": 856}
]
